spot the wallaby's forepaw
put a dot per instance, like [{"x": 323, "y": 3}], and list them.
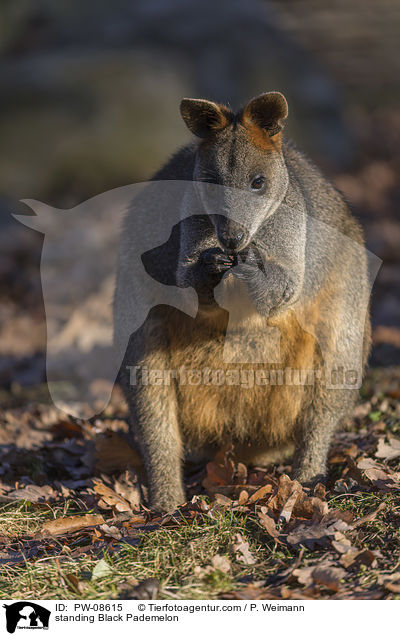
[
  {"x": 269, "y": 285},
  {"x": 215, "y": 261},
  {"x": 246, "y": 266}
]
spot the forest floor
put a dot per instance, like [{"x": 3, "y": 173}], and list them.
[{"x": 73, "y": 524}]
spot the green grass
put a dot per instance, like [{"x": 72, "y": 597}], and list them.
[
  {"x": 173, "y": 556},
  {"x": 180, "y": 558},
  {"x": 24, "y": 518}
]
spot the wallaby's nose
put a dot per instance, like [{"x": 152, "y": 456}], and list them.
[
  {"x": 229, "y": 241},
  {"x": 231, "y": 235}
]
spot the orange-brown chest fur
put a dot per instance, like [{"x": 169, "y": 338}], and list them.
[{"x": 223, "y": 401}]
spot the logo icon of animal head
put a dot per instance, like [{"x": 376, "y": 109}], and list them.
[
  {"x": 106, "y": 241},
  {"x": 26, "y": 615}
]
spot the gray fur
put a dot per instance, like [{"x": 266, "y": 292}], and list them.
[{"x": 301, "y": 263}]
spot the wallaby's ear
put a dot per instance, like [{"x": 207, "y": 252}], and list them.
[
  {"x": 203, "y": 118},
  {"x": 266, "y": 112}
]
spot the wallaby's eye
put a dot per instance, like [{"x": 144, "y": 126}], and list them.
[{"x": 258, "y": 183}]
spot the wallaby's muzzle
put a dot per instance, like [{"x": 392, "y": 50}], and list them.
[{"x": 231, "y": 235}]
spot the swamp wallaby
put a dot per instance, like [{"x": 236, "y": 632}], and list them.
[{"x": 270, "y": 247}]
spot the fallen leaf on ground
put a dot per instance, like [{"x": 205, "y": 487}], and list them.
[
  {"x": 304, "y": 575},
  {"x": 127, "y": 486},
  {"x": 32, "y": 493},
  {"x": 218, "y": 562},
  {"x": 100, "y": 570},
  {"x": 243, "y": 498},
  {"x": 241, "y": 474},
  {"x": 221, "y": 563},
  {"x": 109, "y": 498},
  {"x": 390, "y": 581},
  {"x": 341, "y": 543},
  {"x": 290, "y": 503},
  {"x": 290, "y": 498},
  {"x": 223, "y": 501},
  {"x": 390, "y": 450},
  {"x": 241, "y": 550},
  {"x": 111, "y": 531},
  {"x": 220, "y": 471},
  {"x": 315, "y": 534},
  {"x": 387, "y": 335},
  {"x": 71, "y": 524},
  {"x": 268, "y": 524},
  {"x": 73, "y": 583},
  {"x": 261, "y": 493},
  {"x": 382, "y": 477},
  {"x": 146, "y": 590},
  {"x": 113, "y": 453},
  {"x": 344, "y": 486},
  {"x": 329, "y": 576},
  {"x": 370, "y": 517},
  {"x": 356, "y": 558}
]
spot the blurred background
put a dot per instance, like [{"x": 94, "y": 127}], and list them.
[{"x": 89, "y": 100}]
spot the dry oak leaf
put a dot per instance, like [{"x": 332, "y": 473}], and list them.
[
  {"x": 290, "y": 498},
  {"x": 342, "y": 544},
  {"x": 222, "y": 501},
  {"x": 369, "y": 517},
  {"x": 304, "y": 575},
  {"x": 390, "y": 450},
  {"x": 127, "y": 486},
  {"x": 221, "y": 563},
  {"x": 220, "y": 471},
  {"x": 381, "y": 477},
  {"x": 241, "y": 474},
  {"x": 350, "y": 555},
  {"x": 290, "y": 503},
  {"x": 243, "y": 498},
  {"x": 261, "y": 493},
  {"x": 114, "y": 453},
  {"x": 357, "y": 558},
  {"x": 31, "y": 493},
  {"x": 241, "y": 550},
  {"x": 268, "y": 523},
  {"x": 73, "y": 583},
  {"x": 329, "y": 577},
  {"x": 111, "y": 531},
  {"x": 391, "y": 582},
  {"x": 71, "y": 524},
  {"x": 326, "y": 575},
  {"x": 311, "y": 534},
  {"x": 109, "y": 497},
  {"x": 218, "y": 562}
]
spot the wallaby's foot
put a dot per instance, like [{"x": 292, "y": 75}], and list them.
[
  {"x": 167, "y": 500},
  {"x": 309, "y": 475}
]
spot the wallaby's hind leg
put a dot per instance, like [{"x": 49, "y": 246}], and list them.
[
  {"x": 153, "y": 410},
  {"x": 315, "y": 431},
  {"x": 160, "y": 446}
]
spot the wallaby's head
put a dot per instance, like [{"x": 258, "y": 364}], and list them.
[{"x": 241, "y": 152}]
